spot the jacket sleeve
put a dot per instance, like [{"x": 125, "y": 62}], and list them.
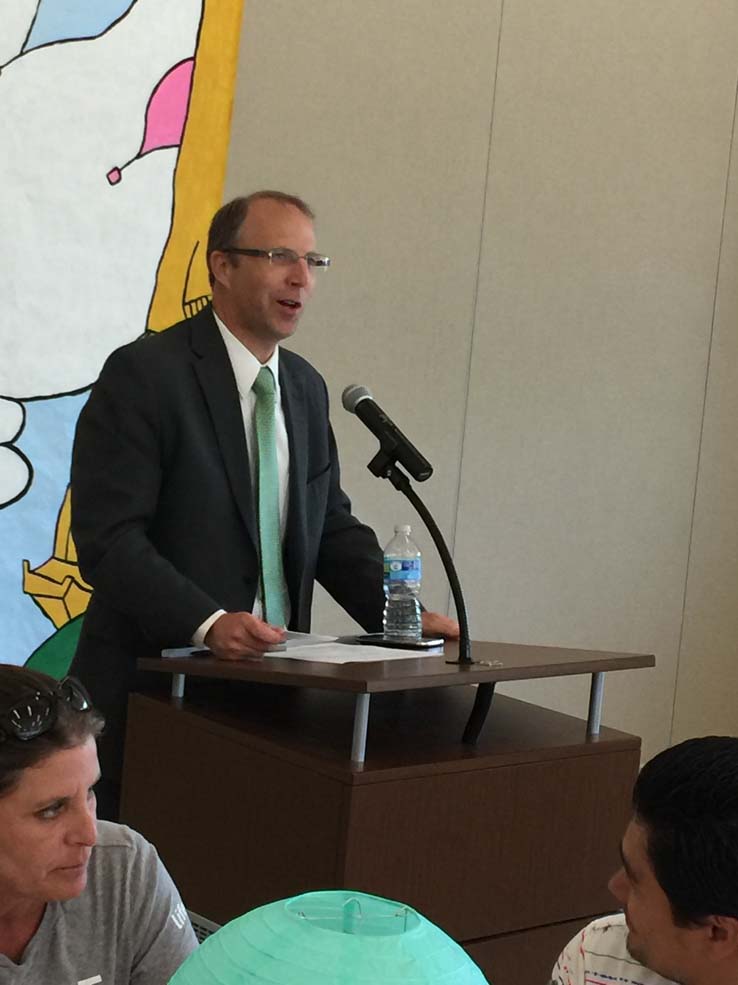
[{"x": 116, "y": 478}]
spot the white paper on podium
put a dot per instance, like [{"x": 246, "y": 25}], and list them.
[
  {"x": 347, "y": 653},
  {"x": 291, "y": 640},
  {"x": 320, "y": 649},
  {"x": 306, "y": 639}
]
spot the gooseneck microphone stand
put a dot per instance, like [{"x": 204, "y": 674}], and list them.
[{"x": 384, "y": 466}]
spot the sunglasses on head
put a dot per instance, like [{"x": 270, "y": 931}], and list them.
[{"x": 35, "y": 713}]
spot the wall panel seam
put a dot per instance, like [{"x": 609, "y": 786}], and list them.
[
  {"x": 475, "y": 300},
  {"x": 685, "y": 592}
]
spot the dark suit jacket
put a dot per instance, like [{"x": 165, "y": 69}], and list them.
[{"x": 162, "y": 508}]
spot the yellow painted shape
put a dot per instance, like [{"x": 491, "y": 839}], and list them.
[
  {"x": 55, "y": 610},
  {"x": 56, "y": 585},
  {"x": 58, "y": 588},
  {"x": 64, "y": 547},
  {"x": 182, "y": 286},
  {"x": 76, "y": 599}
]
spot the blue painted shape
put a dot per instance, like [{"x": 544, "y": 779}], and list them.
[
  {"x": 65, "y": 20},
  {"x": 27, "y": 527}
]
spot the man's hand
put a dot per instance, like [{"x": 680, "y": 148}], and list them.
[
  {"x": 434, "y": 624},
  {"x": 239, "y": 634}
]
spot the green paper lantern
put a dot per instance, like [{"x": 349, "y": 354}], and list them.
[{"x": 330, "y": 938}]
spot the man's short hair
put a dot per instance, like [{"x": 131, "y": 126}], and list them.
[
  {"x": 228, "y": 219},
  {"x": 687, "y": 800}
]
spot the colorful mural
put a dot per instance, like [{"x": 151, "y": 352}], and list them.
[{"x": 118, "y": 116}]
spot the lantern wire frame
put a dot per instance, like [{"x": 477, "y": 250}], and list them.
[{"x": 333, "y": 937}]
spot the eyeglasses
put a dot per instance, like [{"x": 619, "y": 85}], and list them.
[
  {"x": 36, "y": 713},
  {"x": 282, "y": 257}
]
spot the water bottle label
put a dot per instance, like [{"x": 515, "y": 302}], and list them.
[{"x": 402, "y": 569}]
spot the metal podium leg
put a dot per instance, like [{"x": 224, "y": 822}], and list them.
[
  {"x": 178, "y": 685},
  {"x": 596, "y": 692},
  {"x": 361, "y": 723}
]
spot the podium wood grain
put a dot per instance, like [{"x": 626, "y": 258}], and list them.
[
  {"x": 247, "y": 792},
  {"x": 496, "y": 662}
]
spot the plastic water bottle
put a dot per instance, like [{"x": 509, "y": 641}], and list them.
[{"x": 402, "y": 573}]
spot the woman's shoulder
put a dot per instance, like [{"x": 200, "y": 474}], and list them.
[{"x": 121, "y": 848}]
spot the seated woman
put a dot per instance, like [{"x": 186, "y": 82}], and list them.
[{"x": 81, "y": 901}]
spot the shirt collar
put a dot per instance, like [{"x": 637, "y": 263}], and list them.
[{"x": 245, "y": 364}]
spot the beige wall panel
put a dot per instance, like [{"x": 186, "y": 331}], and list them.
[
  {"x": 707, "y": 682},
  {"x": 378, "y": 114},
  {"x": 602, "y": 231}
]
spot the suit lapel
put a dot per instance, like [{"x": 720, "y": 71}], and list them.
[
  {"x": 295, "y": 410},
  {"x": 215, "y": 375}
]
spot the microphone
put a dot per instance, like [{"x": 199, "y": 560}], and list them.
[{"x": 358, "y": 400}]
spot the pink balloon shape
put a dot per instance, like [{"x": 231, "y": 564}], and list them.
[{"x": 167, "y": 109}]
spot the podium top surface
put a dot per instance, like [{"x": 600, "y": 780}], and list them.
[{"x": 497, "y": 662}]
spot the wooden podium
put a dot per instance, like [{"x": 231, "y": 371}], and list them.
[{"x": 247, "y": 787}]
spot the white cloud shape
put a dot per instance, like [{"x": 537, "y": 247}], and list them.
[
  {"x": 78, "y": 256},
  {"x": 15, "y": 475},
  {"x": 17, "y": 17},
  {"x": 12, "y": 419}
]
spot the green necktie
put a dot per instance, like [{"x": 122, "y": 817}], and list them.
[{"x": 270, "y": 542}]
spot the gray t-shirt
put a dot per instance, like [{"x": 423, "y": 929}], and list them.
[{"x": 129, "y": 926}]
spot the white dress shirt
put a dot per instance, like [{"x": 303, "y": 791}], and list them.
[{"x": 246, "y": 368}]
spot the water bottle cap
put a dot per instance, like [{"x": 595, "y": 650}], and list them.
[{"x": 402, "y": 528}]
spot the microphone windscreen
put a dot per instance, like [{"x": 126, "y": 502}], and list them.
[{"x": 352, "y": 395}]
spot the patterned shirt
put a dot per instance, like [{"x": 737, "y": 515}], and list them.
[{"x": 598, "y": 956}]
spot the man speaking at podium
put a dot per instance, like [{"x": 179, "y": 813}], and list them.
[{"x": 206, "y": 493}]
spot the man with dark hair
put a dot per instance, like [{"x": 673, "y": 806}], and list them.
[
  {"x": 206, "y": 494},
  {"x": 678, "y": 884}
]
